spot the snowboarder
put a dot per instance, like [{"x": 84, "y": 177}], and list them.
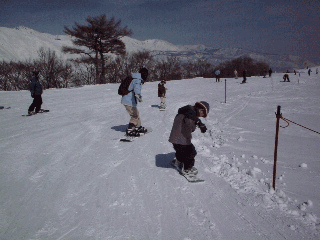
[
  {"x": 264, "y": 73},
  {"x": 244, "y": 74},
  {"x": 286, "y": 77},
  {"x": 184, "y": 124},
  {"x": 162, "y": 94},
  {"x": 131, "y": 100},
  {"x": 270, "y": 72},
  {"x": 36, "y": 92},
  {"x": 217, "y": 72}
]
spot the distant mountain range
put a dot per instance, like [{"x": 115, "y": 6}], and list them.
[{"x": 22, "y": 43}]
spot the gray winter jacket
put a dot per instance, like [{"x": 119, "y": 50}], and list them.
[
  {"x": 35, "y": 87},
  {"x": 183, "y": 125}
]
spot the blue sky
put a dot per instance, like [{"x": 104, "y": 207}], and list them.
[{"x": 272, "y": 26}]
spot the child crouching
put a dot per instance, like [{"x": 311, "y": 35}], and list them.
[{"x": 184, "y": 124}]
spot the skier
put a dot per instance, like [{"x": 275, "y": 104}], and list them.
[
  {"x": 130, "y": 102},
  {"x": 309, "y": 71},
  {"x": 244, "y": 74},
  {"x": 184, "y": 124},
  {"x": 270, "y": 72},
  {"x": 236, "y": 73},
  {"x": 36, "y": 92},
  {"x": 162, "y": 94},
  {"x": 217, "y": 72},
  {"x": 317, "y": 71}
]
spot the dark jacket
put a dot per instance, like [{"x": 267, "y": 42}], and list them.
[
  {"x": 35, "y": 87},
  {"x": 161, "y": 90},
  {"x": 183, "y": 125}
]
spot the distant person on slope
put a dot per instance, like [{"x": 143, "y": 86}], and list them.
[
  {"x": 270, "y": 72},
  {"x": 36, "y": 92},
  {"x": 162, "y": 94},
  {"x": 217, "y": 72},
  {"x": 286, "y": 77},
  {"x": 184, "y": 124},
  {"x": 236, "y": 73},
  {"x": 244, "y": 75},
  {"x": 131, "y": 100},
  {"x": 309, "y": 71}
]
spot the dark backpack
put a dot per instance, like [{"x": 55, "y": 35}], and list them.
[{"x": 123, "y": 88}]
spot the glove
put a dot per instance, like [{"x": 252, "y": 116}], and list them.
[
  {"x": 202, "y": 127},
  {"x": 138, "y": 97},
  {"x": 32, "y": 95}
]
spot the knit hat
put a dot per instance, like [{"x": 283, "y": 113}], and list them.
[{"x": 203, "y": 105}]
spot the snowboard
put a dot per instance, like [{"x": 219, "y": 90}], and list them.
[
  {"x": 192, "y": 179},
  {"x": 131, "y": 139},
  {"x": 162, "y": 109},
  {"x": 42, "y": 111}
]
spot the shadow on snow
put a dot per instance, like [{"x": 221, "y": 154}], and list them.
[
  {"x": 163, "y": 160},
  {"x": 120, "y": 128}
]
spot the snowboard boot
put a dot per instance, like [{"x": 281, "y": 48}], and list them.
[
  {"x": 131, "y": 131},
  {"x": 178, "y": 164},
  {"x": 191, "y": 172},
  {"x": 141, "y": 130},
  {"x": 162, "y": 106}
]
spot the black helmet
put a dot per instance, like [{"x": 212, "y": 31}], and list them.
[{"x": 203, "y": 105}]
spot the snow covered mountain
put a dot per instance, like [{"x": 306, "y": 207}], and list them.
[{"x": 22, "y": 43}]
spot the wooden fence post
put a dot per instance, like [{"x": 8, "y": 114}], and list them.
[{"x": 278, "y": 116}]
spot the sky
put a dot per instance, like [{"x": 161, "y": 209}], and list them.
[{"x": 269, "y": 26}]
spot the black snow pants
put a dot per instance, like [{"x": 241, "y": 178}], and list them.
[
  {"x": 185, "y": 154},
  {"x": 36, "y": 104}
]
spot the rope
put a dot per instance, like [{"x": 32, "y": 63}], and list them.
[{"x": 287, "y": 121}]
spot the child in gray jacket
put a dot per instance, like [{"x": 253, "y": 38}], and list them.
[{"x": 184, "y": 124}]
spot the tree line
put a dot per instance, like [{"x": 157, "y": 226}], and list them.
[{"x": 103, "y": 59}]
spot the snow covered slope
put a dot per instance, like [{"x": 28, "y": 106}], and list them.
[{"x": 65, "y": 174}]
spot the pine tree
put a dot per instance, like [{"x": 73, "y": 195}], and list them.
[{"x": 100, "y": 37}]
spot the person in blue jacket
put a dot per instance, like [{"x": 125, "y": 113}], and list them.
[
  {"x": 217, "y": 72},
  {"x": 36, "y": 92},
  {"x": 130, "y": 102}
]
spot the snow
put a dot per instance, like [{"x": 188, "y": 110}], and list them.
[
  {"x": 22, "y": 43},
  {"x": 65, "y": 174}
]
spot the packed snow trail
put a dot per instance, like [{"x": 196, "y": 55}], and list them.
[{"x": 66, "y": 175}]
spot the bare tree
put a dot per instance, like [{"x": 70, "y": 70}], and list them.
[
  {"x": 100, "y": 37},
  {"x": 169, "y": 69}
]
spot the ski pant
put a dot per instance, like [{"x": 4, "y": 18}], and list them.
[
  {"x": 185, "y": 154},
  {"x": 134, "y": 114},
  {"x": 163, "y": 101},
  {"x": 36, "y": 104}
]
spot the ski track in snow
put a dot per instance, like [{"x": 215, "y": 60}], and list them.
[{"x": 65, "y": 174}]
